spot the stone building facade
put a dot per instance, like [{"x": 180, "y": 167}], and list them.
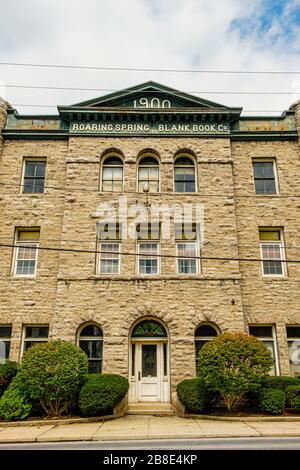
[{"x": 145, "y": 312}]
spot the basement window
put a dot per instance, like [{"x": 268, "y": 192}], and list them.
[{"x": 5, "y": 338}]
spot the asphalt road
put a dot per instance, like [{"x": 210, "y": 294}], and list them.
[{"x": 252, "y": 443}]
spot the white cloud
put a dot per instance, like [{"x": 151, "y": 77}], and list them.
[{"x": 147, "y": 33}]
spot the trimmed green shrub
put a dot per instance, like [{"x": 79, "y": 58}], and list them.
[
  {"x": 191, "y": 393},
  {"x": 14, "y": 403},
  {"x": 8, "y": 370},
  {"x": 292, "y": 396},
  {"x": 280, "y": 382},
  {"x": 233, "y": 364},
  {"x": 52, "y": 374},
  {"x": 101, "y": 393},
  {"x": 271, "y": 401}
]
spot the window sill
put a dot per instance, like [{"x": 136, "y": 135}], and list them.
[
  {"x": 20, "y": 278},
  {"x": 154, "y": 277},
  {"x": 142, "y": 193},
  {"x": 267, "y": 195},
  {"x": 32, "y": 194}
]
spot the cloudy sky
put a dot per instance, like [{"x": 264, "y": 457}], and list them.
[{"x": 248, "y": 35}]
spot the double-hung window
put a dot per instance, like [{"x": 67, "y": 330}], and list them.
[
  {"x": 5, "y": 338},
  {"x": 187, "y": 248},
  {"x": 33, "y": 334},
  {"x": 34, "y": 176},
  {"x": 109, "y": 247},
  {"x": 26, "y": 252},
  {"x": 184, "y": 175},
  {"x": 148, "y": 236},
  {"x": 148, "y": 174},
  {"x": 264, "y": 172},
  {"x": 266, "y": 333},
  {"x": 293, "y": 339},
  {"x": 112, "y": 174},
  {"x": 272, "y": 252}
]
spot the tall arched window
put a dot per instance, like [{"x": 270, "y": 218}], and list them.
[
  {"x": 112, "y": 174},
  {"x": 203, "y": 334},
  {"x": 148, "y": 174},
  {"x": 184, "y": 175},
  {"x": 91, "y": 342}
]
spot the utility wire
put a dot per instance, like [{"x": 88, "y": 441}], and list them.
[
  {"x": 244, "y": 110},
  {"x": 145, "y": 255},
  {"x": 169, "y": 244},
  {"x": 138, "y": 193},
  {"x": 154, "y": 91},
  {"x": 141, "y": 69}
]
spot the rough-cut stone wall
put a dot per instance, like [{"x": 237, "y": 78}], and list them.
[
  {"x": 116, "y": 303},
  {"x": 269, "y": 300},
  {"x": 67, "y": 292},
  {"x": 30, "y": 301}
]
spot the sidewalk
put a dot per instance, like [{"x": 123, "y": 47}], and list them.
[{"x": 148, "y": 427}]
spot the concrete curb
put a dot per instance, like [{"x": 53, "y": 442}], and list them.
[
  {"x": 139, "y": 438},
  {"x": 95, "y": 419},
  {"x": 258, "y": 419},
  {"x": 53, "y": 422}
]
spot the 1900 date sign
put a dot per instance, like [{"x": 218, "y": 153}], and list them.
[{"x": 122, "y": 128}]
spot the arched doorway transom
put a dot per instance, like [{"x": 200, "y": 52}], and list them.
[{"x": 149, "y": 329}]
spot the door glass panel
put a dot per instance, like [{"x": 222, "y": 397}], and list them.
[
  {"x": 149, "y": 360},
  {"x": 133, "y": 359},
  {"x": 165, "y": 358}
]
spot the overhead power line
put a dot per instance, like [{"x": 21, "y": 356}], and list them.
[
  {"x": 244, "y": 110},
  {"x": 37, "y": 87},
  {"x": 144, "y": 69},
  {"x": 128, "y": 253},
  {"x": 159, "y": 194},
  {"x": 207, "y": 245}
]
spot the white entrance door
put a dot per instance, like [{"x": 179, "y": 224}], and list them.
[{"x": 149, "y": 359}]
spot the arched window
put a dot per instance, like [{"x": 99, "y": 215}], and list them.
[
  {"x": 203, "y": 334},
  {"x": 148, "y": 174},
  {"x": 91, "y": 342},
  {"x": 184, "y": 175},
  {"x": 112, "y": 174}
]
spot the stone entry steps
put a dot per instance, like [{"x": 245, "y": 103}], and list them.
[{"x": 152, "y": 408}]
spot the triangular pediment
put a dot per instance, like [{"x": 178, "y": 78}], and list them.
[{"x": 149, "y": 95}]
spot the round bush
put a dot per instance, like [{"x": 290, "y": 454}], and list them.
[
  {"x": 191, "y": 393},
  {"x": 101, "y": 393},
  {"x": 295, "y": 403},
  {"x": 8, "y": 370},
  {"x": 280, "y": 382},
  {"x": 272, "y": 401},
  {"x": 233, "y": 364},
  {"x": 14, "y": 403},
  {"x": 292, "y": 396},
  {"x": 53, "y": 373}
]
